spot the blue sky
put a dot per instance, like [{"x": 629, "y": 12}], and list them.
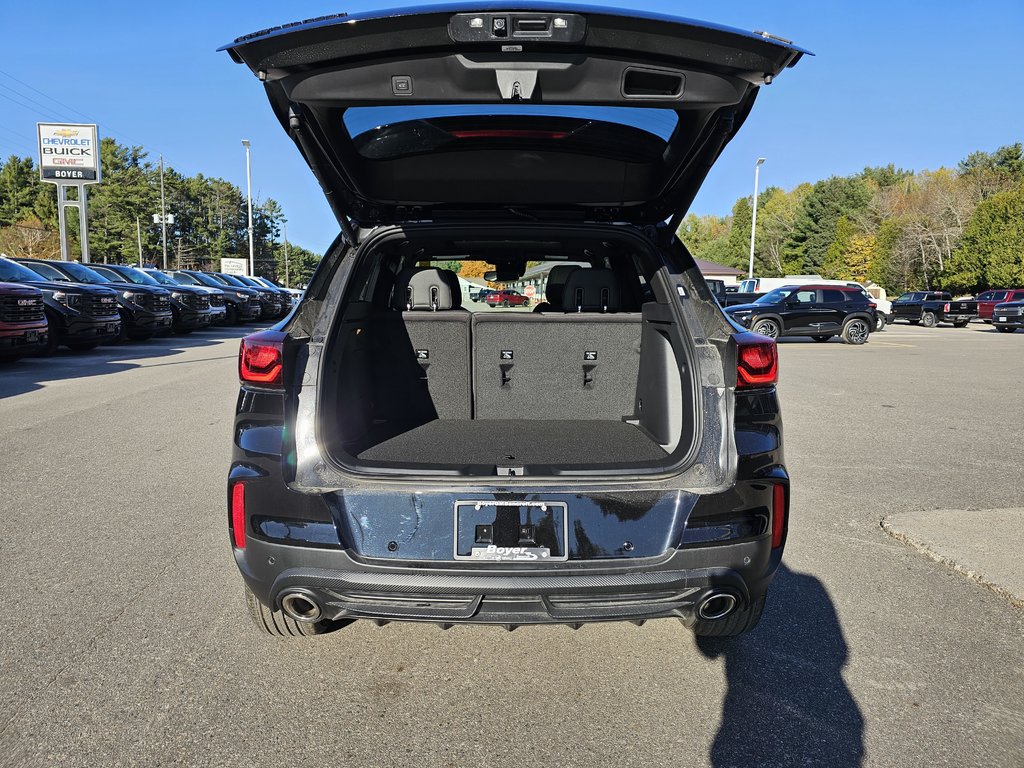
[{"x": 918, "y": 85}]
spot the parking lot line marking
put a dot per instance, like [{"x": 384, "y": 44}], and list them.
[{"x": 892, "y": 344}]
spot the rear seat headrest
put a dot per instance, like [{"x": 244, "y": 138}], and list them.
[
  {"x": 556, "y": 282},
  {"x": 591, "y": 290},
  {"x": 426, "y": 289}
]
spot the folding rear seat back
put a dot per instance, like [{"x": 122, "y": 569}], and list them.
[
  {"x": 553, "y": 287},
  {"x": 422, "y": 352},
  {"x": 581, "y": 363}
]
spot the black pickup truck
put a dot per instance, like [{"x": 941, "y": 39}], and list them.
[{"x": 929, "y": 308}]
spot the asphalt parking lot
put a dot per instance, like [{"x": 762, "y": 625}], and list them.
[{"x": 126, "y": 642}]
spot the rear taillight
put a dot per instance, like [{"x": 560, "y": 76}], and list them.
[
  {"x": 261, "y": 359},
  {"x": 946, "y": 307},
  {"x": 778, "y": 515},
  {"x": 757, "y": 361},
  {"x": 238, "y": 514}
]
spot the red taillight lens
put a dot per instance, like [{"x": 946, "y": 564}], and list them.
[
  {"x": 778, "y": 515},
  {"x": 261, "y": 358},
  {"x": 757, "y": 361},
  {"x": 238, "y": 514}
]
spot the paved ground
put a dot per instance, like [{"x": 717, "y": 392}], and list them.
[
  {"x": 125, "y": 641},
  {"x": 952, "y": 537}
]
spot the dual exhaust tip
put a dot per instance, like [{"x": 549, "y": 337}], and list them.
[
  {"x": 716, "y": 605},
  {"x": 301, "y": 606}
]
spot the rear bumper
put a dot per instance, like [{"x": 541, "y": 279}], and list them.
[{"x": 346, "y": 588}]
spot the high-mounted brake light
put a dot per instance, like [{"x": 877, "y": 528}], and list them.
[
  {"x": 261, "y": 359},
  {"x": 238, "y": 514},
  {"x": 508, "y": 133},
  {"x": 757, "y": 361},
  {"x": 778, "y": 515}
]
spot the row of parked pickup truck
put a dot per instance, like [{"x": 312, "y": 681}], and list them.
[
  {"x": 46, "y": 304},
  {"x": 1003, "y": 308}
]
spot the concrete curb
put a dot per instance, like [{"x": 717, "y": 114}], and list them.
[{"x": 928, "y": 549}]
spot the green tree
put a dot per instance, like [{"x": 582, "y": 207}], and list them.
[
  {"x": 991, "y": 251},
  {"x": 815, "y": 228}
]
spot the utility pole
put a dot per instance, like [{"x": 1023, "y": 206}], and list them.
[
  {"x": 248, "y": 195},
  {"x": 163, "y": 211},
  {"x": 138, "y": 234},
  {"x": 753, "y": 218},
  {"x": 287, "y": 281}
]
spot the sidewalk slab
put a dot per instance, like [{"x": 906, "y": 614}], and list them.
[{"x": 984, "y": 545}]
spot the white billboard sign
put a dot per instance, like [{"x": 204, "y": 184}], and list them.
[
  {"x": 68, "y": 153},
  {"x": 234, "y": 266}
]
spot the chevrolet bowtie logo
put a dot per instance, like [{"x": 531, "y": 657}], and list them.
[{"x": 65, "y": 132}]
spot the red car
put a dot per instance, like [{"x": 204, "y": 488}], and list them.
[
  {"x": 507, "y": 299},
  {"x": 23, "y": 326},
  {"x": 988, "y": 300}
]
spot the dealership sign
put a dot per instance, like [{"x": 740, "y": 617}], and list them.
[{"x": 68, "y": 153}]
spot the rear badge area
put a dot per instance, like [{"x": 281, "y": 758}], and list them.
[{"x": 511, "y": 531}]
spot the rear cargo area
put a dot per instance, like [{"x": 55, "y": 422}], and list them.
[{"x": 426, "y": 384}]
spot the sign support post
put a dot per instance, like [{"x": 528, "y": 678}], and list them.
[{"x": 69, "y": 157}]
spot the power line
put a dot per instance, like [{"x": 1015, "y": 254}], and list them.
[{"x": 49, "y": 110}]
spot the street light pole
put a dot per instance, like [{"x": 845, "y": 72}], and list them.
[
  {"x": 138, "y": 234},
  {"x": 287, "y": 282},
  {"x": 753, "y": 218},
  {"x": 248, "y": 195},
  {"x": 163, "y": 212}
]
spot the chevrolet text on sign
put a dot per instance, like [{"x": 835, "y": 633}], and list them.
[{"x": 68, "y": 152}]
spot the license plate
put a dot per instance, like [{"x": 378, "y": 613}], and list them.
[
  {"x": 111, "y": 327},
  {"x": 511, "y": 531},
  {"x": 1002, "y": 319},
  {"x": 31, "y": 336}
]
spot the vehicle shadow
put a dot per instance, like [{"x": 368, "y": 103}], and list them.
[
  {"x": 31, "y": 373},
  {"x": 787, "y": 703}
]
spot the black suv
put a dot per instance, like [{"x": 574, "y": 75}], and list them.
[
  {"x": 615, "y": 456},
  {"x": 190, "y": 305},
  {"x": 818, "y": 311},
  {"x": 79, "y": 316},
  {"x": 243, "y": 304},
  {"x": 144, "y": 310},
  {"x": 271, "y": 304}
]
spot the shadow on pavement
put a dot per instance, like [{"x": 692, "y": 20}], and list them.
[
  {"x": 30, "y": 373},
  {"x": 787, "y": 703}
]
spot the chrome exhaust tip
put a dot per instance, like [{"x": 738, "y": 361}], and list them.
[
  {"x": 717, "y": 605},
  {"x": 301, "y": 607}
]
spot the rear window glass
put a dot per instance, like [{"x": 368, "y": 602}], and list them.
[
  {"x": 832, "y": 296},
  {"x": 659, "y": 122},
  {"x": 524, "y": 293},
  {"x": 386, "y": 133}
]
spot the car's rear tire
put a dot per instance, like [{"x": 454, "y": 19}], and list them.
[
  {"x": 961, "y": 323},
  {"x": 928, "y": 319},
  {"x": 734, "y": 625},
  {"x": 1004, "y": 329},
  {"x": 821, "y": 338},
  {"x": 505, "y": 303},
  {"x": 276, "y": 624},
  {"x": 526, "y": 303},
  {"x": 856, "y": 331},
  {"x": 880, "y": 322},
  {"x": 767, "y": 327}
]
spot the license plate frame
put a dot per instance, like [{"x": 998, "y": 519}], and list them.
[{"x": 549, "y": 521}]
